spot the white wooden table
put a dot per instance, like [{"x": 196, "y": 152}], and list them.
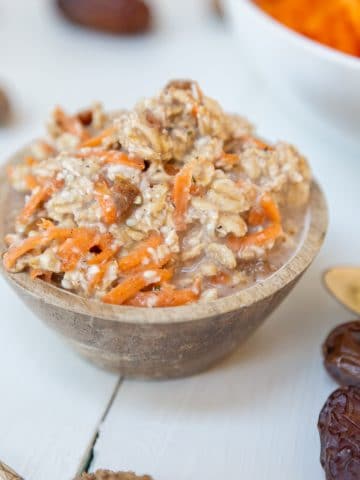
[{"x": 252, "y": 417}]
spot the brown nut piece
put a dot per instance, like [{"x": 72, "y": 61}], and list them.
[
  {"x": 113, "y": 16},
  {"x": 4, "y": 107},
  {"x": 109, "y": 475},
  {"x": 125, "y": 194},
  {"x": 341, "y": 351}
]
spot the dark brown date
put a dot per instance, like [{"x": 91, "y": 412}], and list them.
[
  {"x": 341, "y": 351},
  {"x": 4, "y": 108},
  {"x": 113, "y": 16},
  {"x": 108, "y": 475},
  {"x": 339, "y": 429},
  {"x": 217, "y": 7}
]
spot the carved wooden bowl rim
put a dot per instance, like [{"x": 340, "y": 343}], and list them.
[{"x": 315, "y": 230}]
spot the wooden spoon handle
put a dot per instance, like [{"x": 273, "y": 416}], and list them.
[
  {"x": 6, "y": 473},
  {"x": 344, "y": 284}
]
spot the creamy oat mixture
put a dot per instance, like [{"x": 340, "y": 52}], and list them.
[{"x": 172, "y": 202}]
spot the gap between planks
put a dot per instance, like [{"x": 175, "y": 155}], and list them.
[{"x": 88, "y": 456}]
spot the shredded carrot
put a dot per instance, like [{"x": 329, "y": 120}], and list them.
[
  {"x": 70, "y": 124},
  {"x": 141, "y": 254},
  {"x": 47, "y": 148},
  {"x": 335, "y": 23},
  {"x": 97, "y": 140},
  {"x": 24, "y": 247},
  {"x": 267, "y": 209},
  {"x": 37, "y": 198},
  {"x": 256, "y": 216},
  {"x": 256, "y": 142},
  {"x": 270, "y": 208},
  {"x": 31, "y": 182},
  {"x": 181, "y": 195},
  {"x": 106, "y": 202},
  {"x": 98, "y": 277},
  {"x": 103, "y": 256},
  {"x": 78, "y": 245},
  {"x": 220, "y": 278},
  {"x": 167, "y": 296},
  {"x": 133, "y": 284},
  {"x": 30, "y": 161},
  {"x": 124, "y": 159},
  {"x": 259, "y": 239},
  {"x": 113, "y": 156},
  {"x": 44, "y": 224},
  {"x": 159, "y": 263},
  {"x": 34, "y": 242},
  {"x": 39, "y": 273},
  {"x": 230, "y": 158}
]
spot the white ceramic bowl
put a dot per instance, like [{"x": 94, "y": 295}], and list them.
[{"x": 327, "y": 80}]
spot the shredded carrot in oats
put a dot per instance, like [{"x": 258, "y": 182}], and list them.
[
  {"x": 40, "y": 195},
  {"x": 113, "y": 157},
  {"x": 98, "y": 277},
  {"x": 34, "y": 242},
  {"x": 107, "y": 203},
  {"x": 134, "y": 283},
  {"x": 170, "y": 203},
  {"x": 181, "y": 195},
  {"x": 165, "y": 296},
  {"x": 142, "y": 254},
  {"x": 70, "y": 124},
  {"x": 38, "y": 273},
  {"x": 97, "y": 140}
]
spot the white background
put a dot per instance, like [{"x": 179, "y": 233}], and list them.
[{"x": 252, "y": 417}]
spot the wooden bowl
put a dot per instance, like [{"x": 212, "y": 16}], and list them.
[{"x": 160, "y": 342}]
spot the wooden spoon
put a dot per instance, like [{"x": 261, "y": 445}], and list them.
[
  {"x": 344, "y": 284},
  {"x": 6, "y": 473}
]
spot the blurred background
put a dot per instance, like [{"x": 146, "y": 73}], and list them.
[{"x": 47, "y": 60}]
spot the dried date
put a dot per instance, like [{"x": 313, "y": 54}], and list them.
[
  {"x": 109, "y": 475},
  {"x": 113, "y": 16},
  {"x": 341, "y": 351},
  {"x": 217, "y": 7},
  {"x": 339, "y": 429},
  {"x": 4, "y": 108}
]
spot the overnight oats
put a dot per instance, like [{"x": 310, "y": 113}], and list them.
[{"x": 170, "y": 203}]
